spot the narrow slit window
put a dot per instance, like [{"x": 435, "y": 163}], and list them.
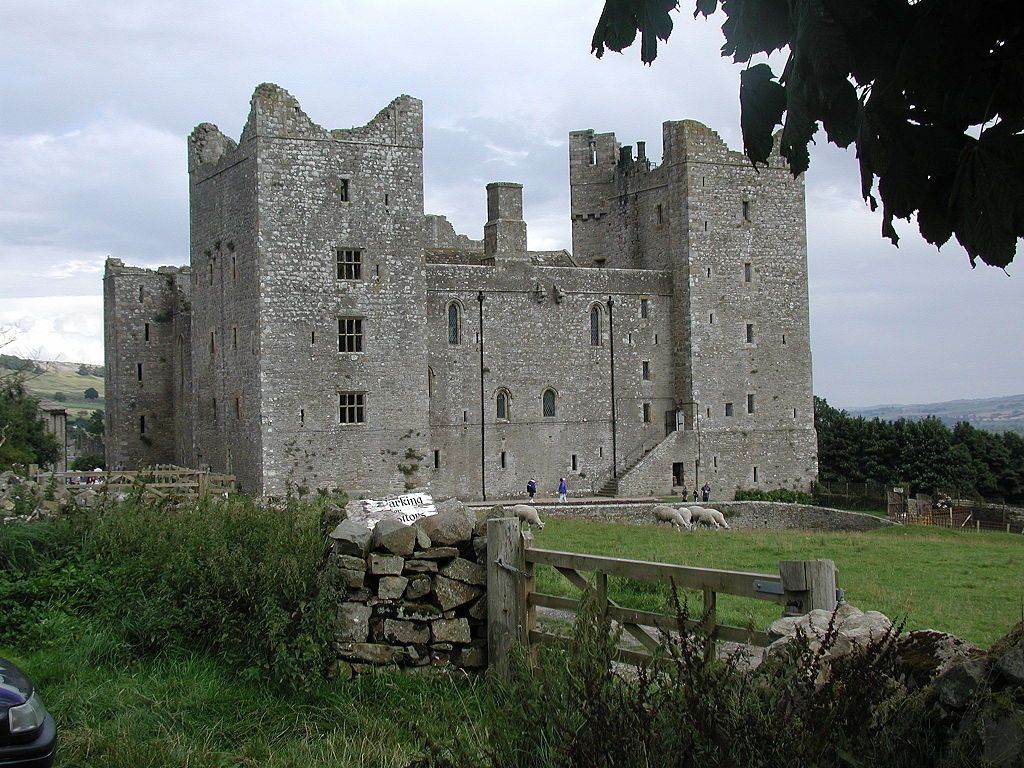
[
  {"x": 387, "y": 200},
  {"x": 238, "y": 407},
  {"x": 647, "y": 413},
  {"x": 350, "y": 264},
  {"x": 655, "y": 339},
  {"x": 454, "y": 324},
  {"x": 783, "y": 338},
  {"x": 575, "y": 463},
  {"x": 350, "y": 334},
  {"x": 209, "y": 269},
  {"x": 750, "y": 333},
  {"x": 645, "y": 309},
  {"x": 138, "y": 371},
  {"x": 351, "y": 407},
  {"x": 660, "y": 214},
  {"x": 234, "y": 266},
  {"x": 503, "y": 460},
  {"x": 437, "y": 459},
  {"x": 141, "y": 293},
  {"x": 708, "y": 412},
  {"x": 302, "y": 417},
  {"x": 142, "y": 425},
  {"x": 748, "y": 272},
  {"x": 746, "y": 210},
  {"x": 728, "y": 409},
  {"x": 750, "y": 403},
  {"x": 501, "y": 406},
  {"x": 234, "y": 337},
  {"x": 343, "y": 191},
  {"x": 312, "y": 338},
  {"x": 213, "y": 344},
  {"x": 711, "y": 318},
  {"x": 593, "y": 153},
  {"x": 465, "y": 416},
  {"x": 755, "y": 474},
  {"x": 145, "y": 332},
  {"x": 215, "y": 410},
  {"x": 595, "y": 326},
  {"x": 794, "y": 413},
  {"x": 709, "y": 271},
  {"x": 715, "y": 461},
  {"x": 645, "y": 370}
]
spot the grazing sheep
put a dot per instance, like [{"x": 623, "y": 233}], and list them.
[
  {"x": 527, "y": 514},
  {"x": 710, "y": 517},
  {"x": 665, "y": 514}
]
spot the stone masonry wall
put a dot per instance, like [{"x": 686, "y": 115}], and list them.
[{"x": 411, "y": 595}]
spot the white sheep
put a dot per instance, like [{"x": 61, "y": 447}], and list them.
[
  {"x": 708, "y": 516},
  {"x": 527, "y": 514},
  {"x": 678, "y": 518}
]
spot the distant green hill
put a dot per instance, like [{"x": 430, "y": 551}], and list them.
[
  {"x": 995, "y": 414},
  {"x": 45, "y": 379}
]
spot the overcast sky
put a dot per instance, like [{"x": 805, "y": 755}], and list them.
[{"x": 98, "y": 98}]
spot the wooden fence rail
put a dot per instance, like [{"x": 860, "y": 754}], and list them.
[
  {"x": 512, "y": 599},
  {"x": 161, "y": 481}
]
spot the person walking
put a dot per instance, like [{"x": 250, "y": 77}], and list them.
[
  {"x": 563, "y": 489},
  {"x": 531, "y": 488},
  {"x": 695, "y": 496},
  {"x": 706, "y": 492}
]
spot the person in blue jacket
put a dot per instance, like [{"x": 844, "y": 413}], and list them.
[
  {"x": 563, "y": 489},
  {"x": 531, "y": 488}
]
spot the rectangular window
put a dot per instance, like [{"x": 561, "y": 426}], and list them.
[
  {"x": 350, "y": 334},
  {"x": 644, "y": 308},
  {"x": 646, "y": 370},
  {"x": 755, "y": 474},
  {"x": 748, "y": 272},
  {"x": 647, "y": 413},
  {"x": 138, "y": 371},
  {"x": 437, "y": 459},
  {"x": 343, "y": 190},
  {"x": 350, "y": 264},
  {"x": 728, "y": 409},
  {"x": 238, "y": 407},
  {"x": 750, "y": 403},
  {"x": 750, "y": 333},
  {"x": 142, "y": 425},
  {"x": 575, "y": 463},
  {"x": 351, "y": 407},
  {"x": 234, "y": 337},
  {"x": 503, "y": 464},
  {"x": 746, "y": 210},
  {"x": 145, "y": 332}
]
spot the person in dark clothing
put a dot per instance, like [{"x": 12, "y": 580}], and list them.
[
  {"x": 531, "y": 488},
  {"x": 706, "y": 492}
]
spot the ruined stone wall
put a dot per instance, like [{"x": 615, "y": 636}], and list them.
[
  {"x": 225, "y": 318},
  {"x": 138, "y": 339},
  {"x": 320, "y": 191},
  {"x": 537, "y": 337}
]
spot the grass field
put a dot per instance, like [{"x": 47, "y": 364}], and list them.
[
  {"x": 969, "y": 584},
  {"x": 64, "y": 377}
]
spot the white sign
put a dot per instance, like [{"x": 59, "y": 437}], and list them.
[{"x": 407, "y": 509}]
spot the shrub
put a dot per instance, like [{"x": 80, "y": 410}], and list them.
[
  {"x": 91, "y": 393},
  {"x": 784, "y": 495},
  {"x": 88, "y": 462}
]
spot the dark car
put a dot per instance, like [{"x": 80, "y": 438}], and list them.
[{"x": 28, "y": 735}]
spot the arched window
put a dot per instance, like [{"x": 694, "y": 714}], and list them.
[
  {"x": 454, "y": 323},
  {"x": 595, "y": 326},
  {"x": 549, "y": 403},
  {"x": 430, "y": 381},
  {"x": 501, "y": 405}
]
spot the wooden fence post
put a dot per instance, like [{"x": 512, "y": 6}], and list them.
[
  {"x": 808, "y": 585},
  {"x": 506, "y": 606}
]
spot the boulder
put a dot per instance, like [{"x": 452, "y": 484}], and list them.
[
  {"x": 467, "y": 571},
  {"x": 351, "y": 579},
  {"x": 924, "y": 654},
  {"x": 352, "y": 622},
  {"x": 395, "y": 537},
  {"x": 385, "y": 565},
  {"x": 450, "y": 631},
  {"x": 958, "y": 685},
  {"x": 451, "y": 593},
  {"x": 351, "y": 538},
  {"x": 422, "y": 539},
  {"x": 391, "y": 587},
  {"x": 1011, "y": 666},
  {"x": 451, "y": 526}
]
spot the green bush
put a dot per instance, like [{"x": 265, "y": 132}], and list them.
[{"x": 785, "y": 495}]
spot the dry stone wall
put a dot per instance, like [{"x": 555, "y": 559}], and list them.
[{"x": 412, "y": 595}]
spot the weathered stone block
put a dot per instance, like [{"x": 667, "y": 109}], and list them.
[
  {"x": 352, "y": 622},
  {"x": 422, "y": 539},
  {"x": 464, "y": 570},
  {"x": 450, "y": 631},
  {"x": 351, "y": 563},
  {"x": 472, "y": 656},
  {"x": 395, "y": 537},
  {"x": 406, "y": 632},
  {"x": 478, "y": 610},
  {"x": 419, "y": 586},
  {"x": 451, "y": 593},
  {"x": 351, "y": 538},
  {"x": 351, "y": 579},
  {"x": 390, "y": 565},
  {"x": 420, "y": 566},
  {"x": 418, "y": 612},
  {"x": 374, "y": 653},
  {"x": 391, "y": 587},
  {"x": 450, "y": 527},
  {"x": 438, "y": 553}
]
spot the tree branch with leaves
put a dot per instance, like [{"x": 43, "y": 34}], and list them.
[{"x": 930, "y": 93}]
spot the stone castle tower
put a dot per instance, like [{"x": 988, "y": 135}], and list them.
[{"x": 328, "y": 333}]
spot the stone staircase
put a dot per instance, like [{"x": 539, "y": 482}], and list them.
[{"x": 610, "y": 489}]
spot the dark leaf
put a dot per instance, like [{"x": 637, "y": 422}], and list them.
[
  {"x": 800, "y": 125},
  {"x": 755, "y": 26},
  {"x": 840, "y": 118},
  {"x": 988, "y": 198},
  {"x": 933, "y": 217},
  {"x": 762, "y": 101},
  {"x": 707, "y": 7},
  {"x": 622, "y": 19}
]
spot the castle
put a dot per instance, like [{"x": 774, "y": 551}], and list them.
[{"x": 328, "y": 333}]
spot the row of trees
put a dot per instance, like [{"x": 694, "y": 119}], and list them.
[{"x": 926, "y": 453}]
